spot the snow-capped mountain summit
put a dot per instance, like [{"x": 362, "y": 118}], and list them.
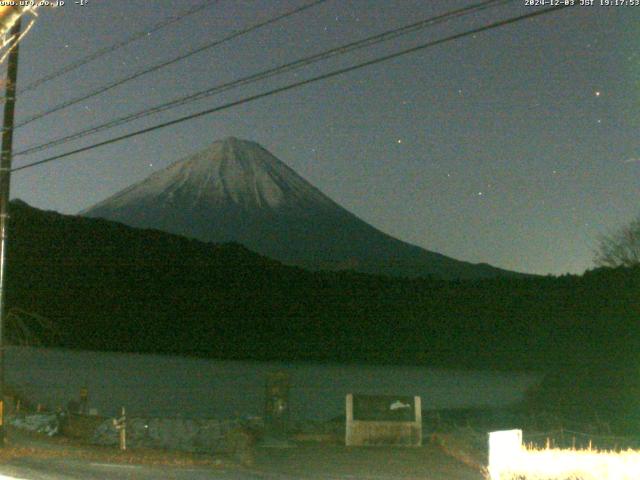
[
  {"x": 233, "y": 171},
  {"x": 235, "y": 190}
]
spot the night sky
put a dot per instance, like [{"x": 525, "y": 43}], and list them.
[{"x": 516, "y": 147}]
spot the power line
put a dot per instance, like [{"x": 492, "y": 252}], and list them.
[
  {"x": 292, "y": 86},
  {"x": 112, "y": 48},
  {"x": 166, "y": 63},
  {"x": 366, "y": 42}
]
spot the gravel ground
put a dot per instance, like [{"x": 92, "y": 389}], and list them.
[
  {"x": 34, "y": 457},
  {"x": 375, "y": 463}
]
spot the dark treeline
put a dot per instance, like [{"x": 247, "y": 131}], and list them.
[{"x": 106, "y": 286}]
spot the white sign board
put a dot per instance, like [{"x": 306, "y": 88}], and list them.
[{"x": 504, "y": 447}]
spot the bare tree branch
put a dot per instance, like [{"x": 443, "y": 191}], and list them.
[{"x": 620, "y": 248}]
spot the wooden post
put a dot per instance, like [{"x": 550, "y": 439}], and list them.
[
  {"x": 417, "y": 402},
  {"x": 348, "y": 440},
  {"x": 84, "y": 400},
  {"x": 120, "y": 425},
  {"x": 123, "y": 431}
]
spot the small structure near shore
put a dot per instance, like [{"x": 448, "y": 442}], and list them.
[{"x": 383, "y": 420}]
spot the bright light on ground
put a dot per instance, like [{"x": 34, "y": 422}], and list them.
[
  {"x": 508, "y": 460},
  {"x": 560, "y": 464}
]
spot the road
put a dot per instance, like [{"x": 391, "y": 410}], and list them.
[{"x": 39, "y": 469}]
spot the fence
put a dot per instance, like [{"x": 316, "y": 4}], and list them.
[{"x": 572, "y": 439}]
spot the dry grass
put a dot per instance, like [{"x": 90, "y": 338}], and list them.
[
  {"x": 27, "y": 444},
  {"x": 569, "y": 464},
  {"x": 137, "y": 457},
  {"x": 542, "y": 463}
]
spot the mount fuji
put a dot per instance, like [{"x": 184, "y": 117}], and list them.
[{"x": 236, "y": 191}]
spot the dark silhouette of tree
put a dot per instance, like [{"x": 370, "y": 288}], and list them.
[{"x": 620, "y": 248}]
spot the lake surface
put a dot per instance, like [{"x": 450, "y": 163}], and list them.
[{"x": 154, "y": 385}]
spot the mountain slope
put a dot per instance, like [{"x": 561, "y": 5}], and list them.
[{"x": 237, "y": 191}]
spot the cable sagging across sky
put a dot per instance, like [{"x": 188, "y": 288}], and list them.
[
  {"x": 271, "y": 72},
  {"x": 294, "y": 85},
  {"x": 156, "y": 67},
  {"x": 116, "y": 46}
]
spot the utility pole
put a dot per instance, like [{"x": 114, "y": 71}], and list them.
[{"x": 5, "y": 179}]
